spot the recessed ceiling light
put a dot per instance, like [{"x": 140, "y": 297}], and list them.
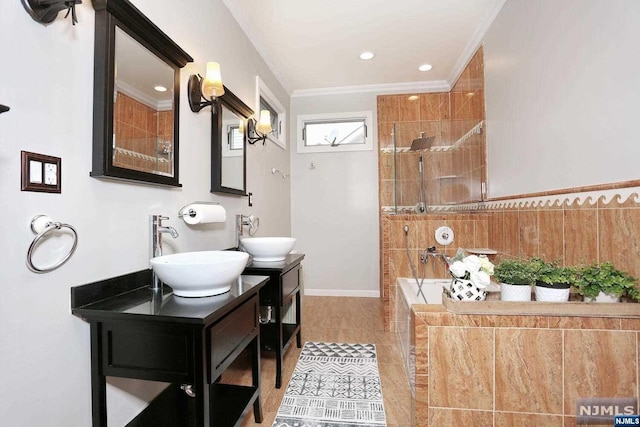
[
  {"x": 425, "y": 67},
  {"x": 367, "y": 55},
  {"x": 413, "y": 98},
  {"x": 160, "y": 88}
]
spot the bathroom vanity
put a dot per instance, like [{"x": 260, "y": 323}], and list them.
[
  {"x": 187, "y": 342},
  {"x": 281, "y": 293}
]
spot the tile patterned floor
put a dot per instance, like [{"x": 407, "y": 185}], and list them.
[{"x": 336, "y": 319}]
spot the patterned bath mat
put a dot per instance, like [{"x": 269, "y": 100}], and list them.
[{"x": 333, "y": 385}]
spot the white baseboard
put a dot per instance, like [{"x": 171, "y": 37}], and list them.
[{"x": 341, "y": 293}]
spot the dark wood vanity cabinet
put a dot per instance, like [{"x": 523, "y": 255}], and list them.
[
  {"x": 283, "y": 293},
  {"x": 187, "y": 342}
]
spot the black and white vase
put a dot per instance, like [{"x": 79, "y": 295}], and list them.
[{"x": 465, "y": 290}]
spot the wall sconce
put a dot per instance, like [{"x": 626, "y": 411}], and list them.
[
  {"x": 45, "y": 11},
  {"x": 208, "y": 88},
  {"x": 259, "y": 131}
]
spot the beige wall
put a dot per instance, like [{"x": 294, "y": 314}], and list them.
[{"x": 562, "y": 95}]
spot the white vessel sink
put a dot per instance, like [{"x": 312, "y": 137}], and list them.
[
  {"x": 268, "y": 249},
  {"x": 200, "y": 274}
]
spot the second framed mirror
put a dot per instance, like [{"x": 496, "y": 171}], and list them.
[{"x": 229, "y": 145}]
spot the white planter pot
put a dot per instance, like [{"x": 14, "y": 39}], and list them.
[
  {"x": 515, "y": 292},
  {"x": 552, "y": 294},
  {"x": 602, "y": 297}
]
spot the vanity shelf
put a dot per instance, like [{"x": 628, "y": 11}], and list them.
[
  {"x": 156, "y": 336},
  {"x": 283, "y": 290}
]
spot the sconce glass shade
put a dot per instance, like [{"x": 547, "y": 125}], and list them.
[
  {"x": 212, "y": 85},
  {"x": 259, "y": 131},
  {"x": 264, "y": 124}
]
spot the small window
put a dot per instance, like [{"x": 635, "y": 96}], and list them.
[
  {"x": 235, "y": 141},
  {"x": 334, "y": 132},
  {"x": 266, "y": 100}
]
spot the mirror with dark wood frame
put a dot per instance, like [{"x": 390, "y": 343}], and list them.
[
  {"x": 229, "y": 144},
  {"x": 136, "y": 97}
]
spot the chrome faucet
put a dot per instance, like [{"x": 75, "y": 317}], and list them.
[
  {"x": 241, "y": 221},
  {"x": 430, "y": 252},
  {"x": 155, "y": 230}
]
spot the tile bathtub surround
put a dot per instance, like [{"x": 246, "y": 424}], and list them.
[
  {"x": 530, "y": 373},
  {"x": 471, "y": 231},
  {"x": 599, "y": 229}
]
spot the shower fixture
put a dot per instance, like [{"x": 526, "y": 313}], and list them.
[{"x": 421, "y": 144}]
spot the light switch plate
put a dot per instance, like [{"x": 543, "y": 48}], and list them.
[
  {"x": 35, "y": 172},
  {"x": 41, "y": 173}
]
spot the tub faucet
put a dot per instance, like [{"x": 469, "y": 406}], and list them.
[
  {"x": 430, "y": 252},
  {"x": 446, "y": 259},
  {"x": 156, "y": 229}
]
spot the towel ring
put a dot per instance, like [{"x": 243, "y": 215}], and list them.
[{"x": 42, "y": 225}]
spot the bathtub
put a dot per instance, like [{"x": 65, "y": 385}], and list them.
[
  {"x": 407, "y": 288},
  {"x": 406, "y": 298}
]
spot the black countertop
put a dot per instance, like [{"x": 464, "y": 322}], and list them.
[
  {"x": 258, "y": 267},
  {"x": 129, "y": 297}
]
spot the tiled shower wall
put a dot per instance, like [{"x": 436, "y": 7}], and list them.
[
  {"x": 456, "y": 166},
  {"x": 141, "y": 130},
  {"x": 451, "y": 176}
]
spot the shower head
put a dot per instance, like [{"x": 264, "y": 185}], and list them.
[{"x": 422, "y": 143}]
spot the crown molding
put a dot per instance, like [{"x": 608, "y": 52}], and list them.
[
  {"x": 380, "y": 89},
  {"x": 143, "y": 98},
  {"x": 256, "y": 41},
  {"x": 474, "y": 42}
]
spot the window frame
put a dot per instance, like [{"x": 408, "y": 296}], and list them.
[
  {"x": 263, "y": 91},
  {"x": 227, "y": 150},
  {"x": 366, "y": 116}
]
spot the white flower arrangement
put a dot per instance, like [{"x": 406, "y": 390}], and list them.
[{"x": 474, "y": 268}]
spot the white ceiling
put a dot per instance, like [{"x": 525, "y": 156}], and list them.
[{"x": 313, "y": 47}]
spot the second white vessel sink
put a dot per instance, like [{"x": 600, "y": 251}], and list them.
[
  {"x": 200, "y": 274},
  {"x": 268, "y": 249}
]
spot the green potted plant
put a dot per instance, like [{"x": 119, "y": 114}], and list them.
[
  {"x": 553, "y": 281},
  {"x": 604, "y": 283},
  {"x": 515, "y": 277}
]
